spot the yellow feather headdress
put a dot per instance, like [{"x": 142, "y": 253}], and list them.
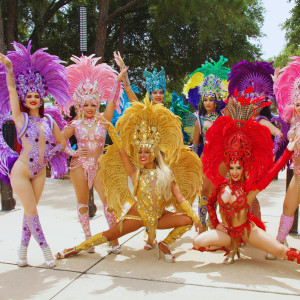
[{"x": 151, "y": 126}]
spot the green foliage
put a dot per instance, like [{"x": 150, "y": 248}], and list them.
[
  {"x": 283, "y": 58},
  {"x": 178, "y": 35},
  {"x": 292, "y": 26}
]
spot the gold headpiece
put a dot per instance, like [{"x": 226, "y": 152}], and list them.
[
  {"x": 144, "y": 125},
  {"x": 145, "y": 136}
]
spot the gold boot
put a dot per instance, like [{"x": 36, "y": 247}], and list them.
[
  {"x": 95, "y": 240},
  {"x": 175, "y": 234}
]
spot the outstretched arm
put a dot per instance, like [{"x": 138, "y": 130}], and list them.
[
  {"x": 128, "y": 165},
  {"x": 13, "y": 95},
  {"x": 280, "y": 163},
  {"x": 126, "y": 83}
]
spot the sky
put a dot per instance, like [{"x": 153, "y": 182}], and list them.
[{"x": 277, "y": 11}]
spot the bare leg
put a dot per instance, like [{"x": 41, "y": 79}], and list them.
[
  {"x": 109, "y": 235},
  {"x": 213, "y": 239},
  {"x": 262, "y": 240}
]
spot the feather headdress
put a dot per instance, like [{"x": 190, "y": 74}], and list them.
[
  {"x": 155, "y": 80},
  {"x": 163, "y": 126},
  {"x": 38, "y": 72},
  {"x": 210, "y": 78},
  {"x": 287, "y": 88},
  {"x": 92, "y": 82},
  {"x": 257, "y": 75}
]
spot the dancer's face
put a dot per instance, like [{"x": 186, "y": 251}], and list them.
[
  {"x": 32, "y": 100},
  {"x": 297, "y": 107},
  {"x": 89, "y": 109},
  {"x": 235, "y": 170},
  {"x": 145, "y": 157},
  {"x": 209, "y": 103},
  {"x": 157, "y": 96}
]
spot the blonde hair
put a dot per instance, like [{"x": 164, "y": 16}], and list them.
[{"x": 164, "y": 177}]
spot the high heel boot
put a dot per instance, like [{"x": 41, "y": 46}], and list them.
[{"x": 230, "y": 256}]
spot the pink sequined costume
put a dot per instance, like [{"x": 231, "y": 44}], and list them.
[
  {"x": 287, "y": 90},
  {"x": 90, "y": 83},
  {"x": 93, "y": 140}
]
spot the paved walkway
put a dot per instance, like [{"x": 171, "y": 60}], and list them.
[{"x": 137, "y": 273}]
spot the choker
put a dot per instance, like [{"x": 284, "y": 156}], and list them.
[
  {"x": 235, "y": 185},
  {"x": 90, "y": 121}
]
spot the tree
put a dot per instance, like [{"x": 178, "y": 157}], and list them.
[{"x": 292, "y": 27}]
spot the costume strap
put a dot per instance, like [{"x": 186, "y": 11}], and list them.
[
  {"x": 51, "y": 121},
  {"x": 22, "y": 131}
]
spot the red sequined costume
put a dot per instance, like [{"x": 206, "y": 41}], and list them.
[{"x": 248, "y": 142}]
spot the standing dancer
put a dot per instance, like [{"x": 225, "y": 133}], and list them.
[
  {"x": 90, "y": 85},
  {"x": 205, "y": 90},
  {"x": 287, "y": 91},
  {"x": 30, "y": 78},
  {"x": 146, "y": 130}
]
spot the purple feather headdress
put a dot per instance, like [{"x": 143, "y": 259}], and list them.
[
  {"x": 246, "y": 74},
  {"x": 38, "y": 72}
]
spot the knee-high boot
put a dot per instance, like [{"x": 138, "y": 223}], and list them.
[
  {"x": 202, "y": 211},
  {"x": 285, "y": 226},
  {"x": 38, "y": 234},
  {"x": 95, "y": 240},
  {"x": 176, "y": 233},
  {"x": 25, "y": 239}
]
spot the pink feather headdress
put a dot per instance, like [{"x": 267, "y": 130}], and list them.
[
  {"x": 287, "y": 88},
  {"x": 91, "y": 82}
]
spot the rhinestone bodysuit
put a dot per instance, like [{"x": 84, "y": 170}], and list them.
[
  {"x": 92, "y": 139},
  {"x": 37, "y": 132}
]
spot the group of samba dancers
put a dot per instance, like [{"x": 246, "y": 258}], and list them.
[{"x": 224, "y": 154}]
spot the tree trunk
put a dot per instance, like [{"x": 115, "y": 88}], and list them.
[
  {"x": 12, "y": 23},
  {"x": 2, "y": 45},
  {"x": 102, "y": 27}
]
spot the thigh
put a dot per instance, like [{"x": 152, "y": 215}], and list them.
[
  {"x": 38, "y": 183},
  {"x": 207, "y": 187},
  {"x": 128, "y": 226},
  {"x": 212, "y": 238},
  {"x": 98, "y": 187},
  {"x": 21, "y": 184},
  {"x": 291, "y": 200},
  {"x": 171, "y": 220},
  {"x": 263, "y": 241},
  {"x": 80, "y": 185}
]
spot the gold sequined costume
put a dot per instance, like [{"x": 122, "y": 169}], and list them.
[{"x": 159, "y": 130}]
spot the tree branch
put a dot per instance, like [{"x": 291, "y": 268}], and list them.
[{"x": 121, "y": 10}]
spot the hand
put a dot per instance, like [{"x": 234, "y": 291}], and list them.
[
  {"x": 198, "y": 228},
  {"x": 122, "y": 73},
  {"x": 4, "y": 60},
  {"x": 293, "y": 143},
  {"x": 81, "y": 152},
  {"x": 102, "y": 120},
  {"x": 221, "y": 227},
  {"x": 276, "y": 74},
  {"x": 118, "y": 59}
]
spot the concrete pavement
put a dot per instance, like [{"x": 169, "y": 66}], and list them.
[{"x": 136, "y": 272}]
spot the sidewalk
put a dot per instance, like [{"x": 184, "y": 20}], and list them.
[{"x": 137, "y": 273}]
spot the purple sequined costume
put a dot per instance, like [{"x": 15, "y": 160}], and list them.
[{"x": 37, "y": 134}]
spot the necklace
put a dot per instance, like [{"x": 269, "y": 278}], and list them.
[
  {"x": 90, "y": 122},
  {"x": 235, "y": 185}
]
